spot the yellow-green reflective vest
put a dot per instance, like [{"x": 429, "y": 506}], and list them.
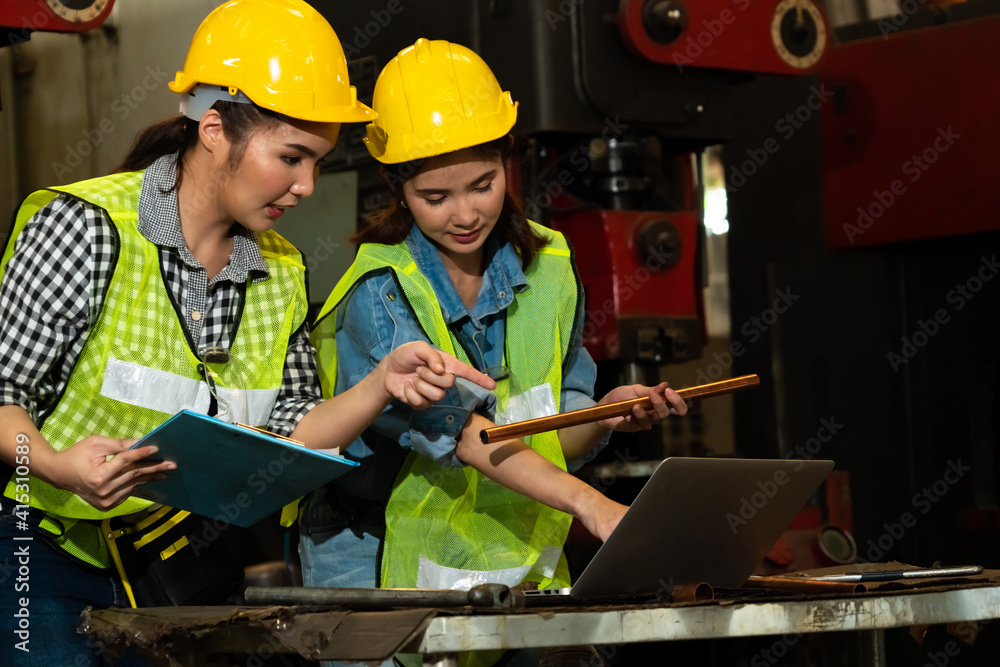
[
  {"x": 456, "y": 517},
  {"x": 137, "y": 367}
]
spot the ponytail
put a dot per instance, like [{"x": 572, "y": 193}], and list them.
[{"x": 173, "y": 135}]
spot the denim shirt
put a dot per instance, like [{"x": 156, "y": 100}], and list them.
[{"x": 374, "y": 319}]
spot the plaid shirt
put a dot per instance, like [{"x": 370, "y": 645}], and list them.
[{"x": 54, "y": 285}]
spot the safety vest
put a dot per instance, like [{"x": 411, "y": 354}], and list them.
[
  {"x": 455, "y": 520},
  {"x": 138, "y": 367}
]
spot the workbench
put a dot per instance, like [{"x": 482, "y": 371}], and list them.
[{"x": 176, "y": 636}]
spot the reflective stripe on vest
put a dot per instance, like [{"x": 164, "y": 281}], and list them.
[
  {"x": 137, "y": 367},
  {"x": 463, "y": 525},
  {"x": 170, "y": 393}
]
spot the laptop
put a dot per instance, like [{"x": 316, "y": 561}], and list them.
[{"x": 700, "y": 520}]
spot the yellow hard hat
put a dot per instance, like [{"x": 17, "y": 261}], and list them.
[
  {"x": 436, "y": 97},
  {"x": 281, "y": 54}
]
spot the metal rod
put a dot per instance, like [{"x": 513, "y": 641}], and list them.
[
  {"x": 805, "y": 585},
  {"x": 495, "y": 596},
  {"x": 599, "y": 412}
]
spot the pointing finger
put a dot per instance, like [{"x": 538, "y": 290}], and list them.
[{"x": 453, "y": 365}]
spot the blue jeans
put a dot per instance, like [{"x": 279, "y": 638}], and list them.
[
  {"x": 339, "y": 559},
  {"x": 42, "y": 593}
]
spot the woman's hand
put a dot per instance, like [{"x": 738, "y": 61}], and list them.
[
  {"x": 640, "y": 420},
  {"x": 418, "y": 375},
  {"x": 601, "y": 516},
  {"x": 86, "y": 470}
]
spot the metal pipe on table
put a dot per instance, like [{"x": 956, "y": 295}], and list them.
[
  {"x": 488, "y": 596},
  {"x": 599, "y": 412},
  {"x": 805, "y": 585},
  {"x": 698, "y": 592}
]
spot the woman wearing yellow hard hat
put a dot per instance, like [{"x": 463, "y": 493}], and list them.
[
  {"x": 450, "y": 259},
  {"x": 160, "y": 287}
]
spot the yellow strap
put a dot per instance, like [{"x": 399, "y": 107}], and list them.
[
  {"x": 149, "y": 520},
  {"x": 174, "y": 548},
  {"x": 290, "y": 513},
  {"x": 113, "y": 548},
  {"x": 167, "y": 525}
]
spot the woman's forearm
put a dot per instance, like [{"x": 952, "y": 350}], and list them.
[
  {"x": 17, "y": 431},
  {"x": 516, "y": 466},
  {"x": 340, "y": 420}
]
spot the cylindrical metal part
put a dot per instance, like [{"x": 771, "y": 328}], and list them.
[
  {"x": 700, "y": 592},
  {"x": 803, "y": 585},
  {"x": 495, "y": 596}
]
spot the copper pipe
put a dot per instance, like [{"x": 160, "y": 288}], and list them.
[
  {"x": 805, "y": 585},
  {"x": 599, "y": 412},
  {"x": 700, "y": 592}
]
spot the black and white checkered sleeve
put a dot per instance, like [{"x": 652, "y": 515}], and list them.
[
  {"x": 52, "y": 285},
  {"x": 300, "y": 389}
]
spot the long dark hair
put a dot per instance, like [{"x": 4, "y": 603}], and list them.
[
  {"x": 390, "y": 223},
  {"x": 179, "y": 134}
]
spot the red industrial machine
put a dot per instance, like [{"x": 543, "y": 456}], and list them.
[
  {"x": 628, "y": 193},
  {"x": 19, "y": 18},
  {"x": 787, "y": 37},
  {"x": 899, "y": 149}
]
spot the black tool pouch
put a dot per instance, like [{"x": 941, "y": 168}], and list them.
[
  {"x": 172, "y": 558},
  {"x": 325, "y": 512}
]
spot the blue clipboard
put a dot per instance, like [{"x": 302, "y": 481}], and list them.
[{"x": 233, "y": 473}]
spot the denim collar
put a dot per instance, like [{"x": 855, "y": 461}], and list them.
[{"x": 503, "y": 276}]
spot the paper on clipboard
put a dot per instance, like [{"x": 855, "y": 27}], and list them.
[{"x": 233, "y": 473}]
